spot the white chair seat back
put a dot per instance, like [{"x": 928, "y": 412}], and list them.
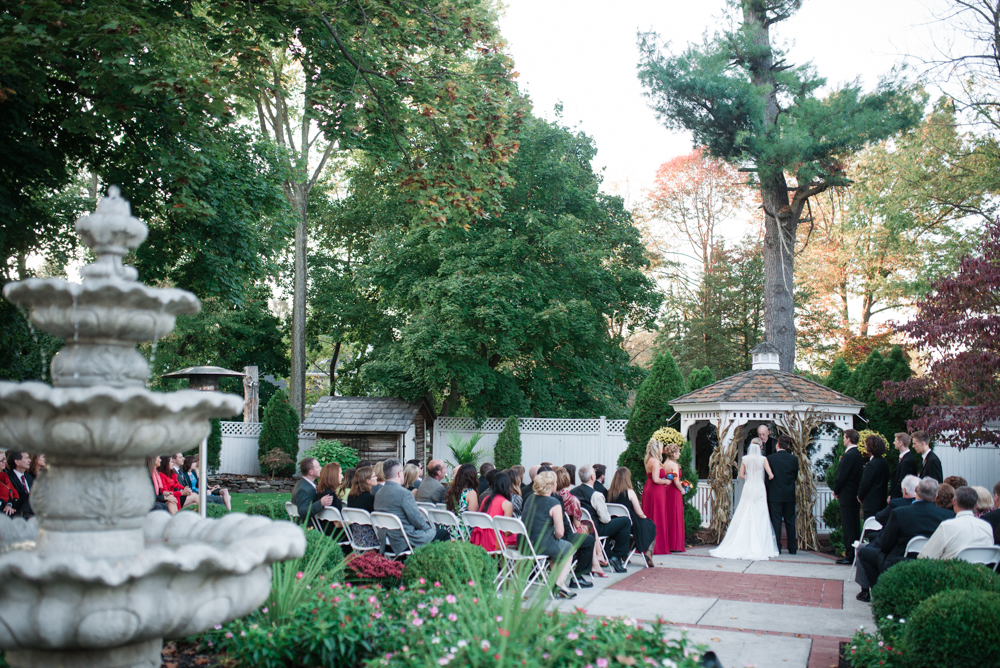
[
  {"x": 981, "y": 555},
  {"x": 915, "y": 545},
  {"x": 292, "y": 510},
  {"x": 356, "y": 516},
  {"x": 389, "y": 522}
]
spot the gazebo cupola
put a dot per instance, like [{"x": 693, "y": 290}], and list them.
[{"x": 765, "y": 356}]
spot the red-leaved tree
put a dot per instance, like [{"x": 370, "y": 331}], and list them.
[{"x": 958, "y": 325}]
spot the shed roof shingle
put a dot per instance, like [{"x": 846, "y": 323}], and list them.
[
  {"x": 362, "y": 414},
  {"x": 766, "y": 386}
]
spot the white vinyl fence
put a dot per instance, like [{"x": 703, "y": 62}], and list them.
[
  {"x": 560, "y": 441},
  {"x": 979, "y": 465},
  {"x": 239, "y": 447}
]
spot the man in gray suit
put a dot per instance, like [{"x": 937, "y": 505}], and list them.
[
  {"x": 396, "y": 499},
  {"x": 431, "y": 490}
]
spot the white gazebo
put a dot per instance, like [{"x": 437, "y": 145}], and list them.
[{"x": 736, "y": 405}]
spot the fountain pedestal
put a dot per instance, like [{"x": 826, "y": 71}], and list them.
[{"x": 96, "y": 579}]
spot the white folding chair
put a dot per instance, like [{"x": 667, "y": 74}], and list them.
[
  {"x": 389, "y": 522},
  {"x": 425, "y": 504},
  {"x": 989, "y": 556},
  {"x": 618, "y": 510},
  {"x": 513, "y": 555},
  {"x": 292, "y": 510},
  {"x": 448, "y": 519},
  {"x": 426, "y": 513},
  {"x": 441, "y": 506},
  {"x": 331, "y": 514},
  {"x": 483, "y": 521},
  {"x": 357, "y": 516},
  {"x": 915, "y": 545},
  {"x": 585, "y": 516},
  {"x": 871, "y": 524}
]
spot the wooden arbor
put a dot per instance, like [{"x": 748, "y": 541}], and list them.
[{"x": 794, "y": 405}]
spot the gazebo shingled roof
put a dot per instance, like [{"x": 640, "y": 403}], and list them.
[{"x": 766, "y": 386}]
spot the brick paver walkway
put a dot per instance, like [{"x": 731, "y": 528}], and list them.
[{"x": 753, "y": 588}]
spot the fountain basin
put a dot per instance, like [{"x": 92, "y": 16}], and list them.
[
  {"x": 192, "y": 574},
  {"x": 103, "y": 423}
]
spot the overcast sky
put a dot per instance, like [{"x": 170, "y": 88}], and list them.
[{"x": 583, "y": 53}]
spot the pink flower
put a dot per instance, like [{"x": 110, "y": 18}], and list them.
[
  {"x": 422, "y": 581},
  {"x": 437, "y": 584},
  {"x": 579, "y": 652},
  {"x": 572, "y": 636},
  {"x": 229, "y": 634},
  {"x": 300, "y": 575},
  {"x": 417, "y": 621},
  {"x": 433, "y": 610},
  {"x": 450, "y": 598},
  {"x": 350, "y": 596},
  {"x": 335, "y": 599},
  {"x": 602, "y": 663},
  {"x": 372, "y": 599},
  {"x": 452, "y": 617}
]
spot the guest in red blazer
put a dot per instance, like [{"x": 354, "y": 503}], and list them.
[{"x": 8, "y": 495}]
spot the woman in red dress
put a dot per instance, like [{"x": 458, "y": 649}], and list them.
[
  {"x": 654, "y": 496},
  {"x": 674, "y": 498}
]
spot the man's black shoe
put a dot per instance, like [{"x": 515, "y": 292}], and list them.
[
  {"x": 581, "y": 582},
  {"x": 844, "y": 562},
  {"x": 865, "y": 596},
  {"x": 617, "y": 564}
]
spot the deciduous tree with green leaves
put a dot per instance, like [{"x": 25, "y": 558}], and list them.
[{"x": 745, "y": 103}]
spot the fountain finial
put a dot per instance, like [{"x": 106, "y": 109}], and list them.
[{"x": 111, "y": 232}]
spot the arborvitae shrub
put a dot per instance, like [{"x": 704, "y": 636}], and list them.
[{"x": 507, "y": 451}]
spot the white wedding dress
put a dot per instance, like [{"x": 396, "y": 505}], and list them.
[{"x": 750, "y": 535}]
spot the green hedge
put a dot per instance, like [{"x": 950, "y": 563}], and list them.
[
  {"x": 334, "y": 452},
  {"x": 266, "y": 507},
  {"x": 954, "y": 628},
  {"x": 909, "y": 583},
  {"x": 692, "y": 521},
  {"x": 452, "y": 563},
  {"x": 831, "y": 514}
]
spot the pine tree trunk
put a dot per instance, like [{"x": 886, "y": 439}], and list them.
[{"x": 779, "y": 271}]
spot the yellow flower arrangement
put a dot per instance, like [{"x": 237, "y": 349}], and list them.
[
  {"x": 863, "y": 436},
  {"x": 667, "y": 435}
]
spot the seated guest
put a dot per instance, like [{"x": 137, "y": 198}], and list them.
[
  {"x": 462, "y": 494},
  {"x": 305, "y": 496},
  {"x": 874, "y": 488},
  {"x": 8, "y": 495},
  {"x": 37, "y": 464},
  {"x": 643, "y": 528},
  {"x": 516, "y": 474},
  {"x": 575, "y": 525},
  {"x": 600, "y": 471},
  {"x": 380, "y": 475},
  {"x": 162, "y": 500},
  {"x": 965, "y": 530},
  {"x": 945, "y": 496},
  {"x": 361, "y": 497},
  {"x": 956, "y": 481},
  {"x": 920, "y": 518},
  {"x": 328, "y": 482},
  {"x": 191, "y": 475},
  {"x": 985, "y": 504},
  {"x": 484, "y": 483},
  {"x": 171, "y": 482},
  {"x": 393, "y": 498},
  {"x": 526, "y": 488},
  {"x": 345, "y": 485},
  {"x": 543, "y": 519},
  {"x": 431, "y": 490},
  {"x": 21, "y": 480},
  {"x": 994, "y": 517},
  {"x": 617, "y": 529},
  {"x": 571, "y": 472},
  {"x": 497, "y": 503},
  {"x": 420, "y": 471},
  {"x": 410, "y": 475},
  {"x": 908, "y": 489}
]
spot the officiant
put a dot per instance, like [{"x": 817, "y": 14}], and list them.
[{"x": 768, "y": 446}]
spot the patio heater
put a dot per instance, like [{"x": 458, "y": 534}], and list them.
[{"x": 206, "y": 379}]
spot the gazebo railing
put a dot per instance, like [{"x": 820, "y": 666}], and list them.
[{"x": 702, "y": 500}]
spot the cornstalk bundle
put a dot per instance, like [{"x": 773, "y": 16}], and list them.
[
  {"x": 721, "y": 478},
  {"x": 799, "y": 426}
]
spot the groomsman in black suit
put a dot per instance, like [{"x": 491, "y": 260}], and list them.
[
  {"x": 845, "y": 488},
  {"x": 931, "y": 467},
  {"x": 781, "y": 492},
  {"x": 907, "y": 465}
]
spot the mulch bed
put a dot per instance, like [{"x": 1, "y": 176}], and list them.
[{"x": 183, "y": 654}]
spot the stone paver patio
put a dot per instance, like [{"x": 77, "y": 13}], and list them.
[{"x": 792, "y": 612}]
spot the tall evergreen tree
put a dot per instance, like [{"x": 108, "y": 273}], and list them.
[
  {"x": 741, "y": 99},
  {"x": 507, "y": 451},
  {"x": 839, "y": 376},
  {"x": 280, "y": 429},
  {"x": 651, "y": 410},
  {"x": 867, "y": 385},
  {"x": 699, "y": 378}
]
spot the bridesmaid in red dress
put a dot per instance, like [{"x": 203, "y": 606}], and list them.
[
  {"x": 674, "y": 498},
  {"x": 654, "y": 496}
]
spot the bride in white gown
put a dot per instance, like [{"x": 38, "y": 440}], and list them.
[{"x": 750, "y": 535}]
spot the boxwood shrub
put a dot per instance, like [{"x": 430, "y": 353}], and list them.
[
  {"x": 954, "y": 628},
  {"x": 451, "y": 563},
  {"x": 315, "y": 542},
  {"x": 909, "y": 583},
  {"x": 266, "y": 506}
]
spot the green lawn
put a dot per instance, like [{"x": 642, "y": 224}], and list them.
[{"x": 240, "y": 500}]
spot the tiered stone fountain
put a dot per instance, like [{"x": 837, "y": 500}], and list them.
[{"x": 96, "y": 579}]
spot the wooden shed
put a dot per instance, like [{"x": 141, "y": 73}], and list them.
[{"x": 374, "y": 426}]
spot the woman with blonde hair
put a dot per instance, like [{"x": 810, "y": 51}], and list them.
[
  {"x": 654, "y": 495},
  {"x": 643, "y": 528},
  {"x": 985, "y": 503},
  {"x": 380, "y": 476},
  {"x": 516, "y": 473},
  {"x": 410, "y": 475},
  {"x": 543, "y": 518}
]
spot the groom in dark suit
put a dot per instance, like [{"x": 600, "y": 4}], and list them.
[{"x": 781, "y": 492}]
